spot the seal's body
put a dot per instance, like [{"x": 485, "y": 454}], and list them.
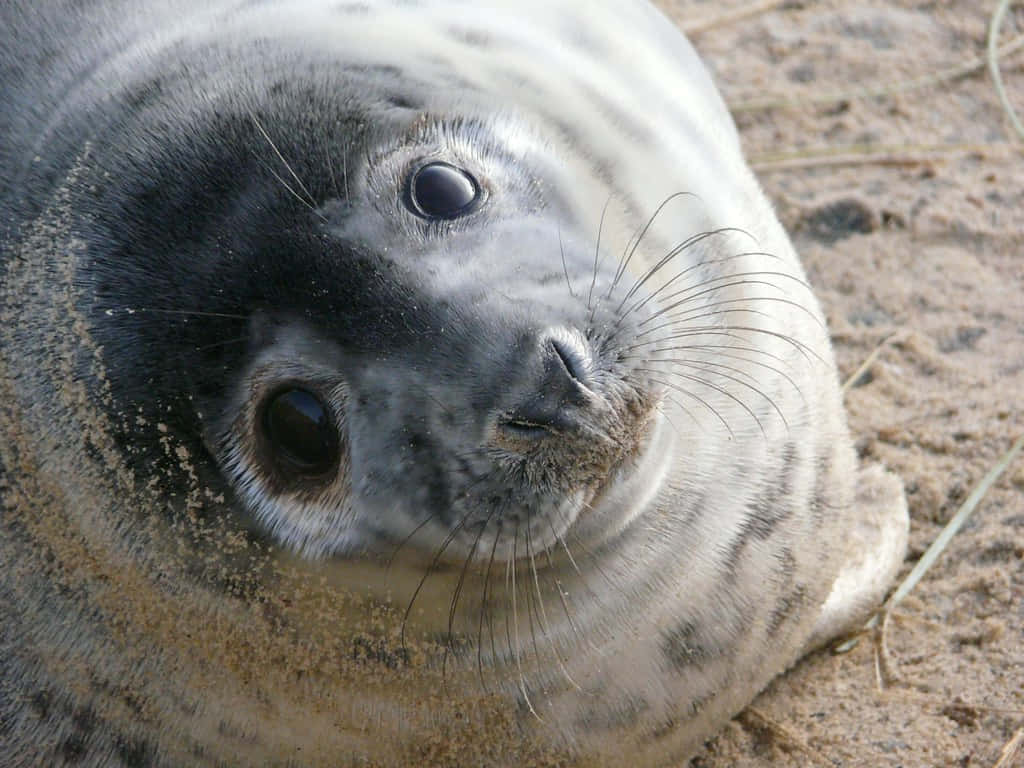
[{"x": 394, "y": 383}]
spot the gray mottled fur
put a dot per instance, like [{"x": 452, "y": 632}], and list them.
[{"x": 203, "y": 203}]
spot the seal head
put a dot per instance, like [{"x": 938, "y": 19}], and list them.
[{"x": 402, "y": 384}]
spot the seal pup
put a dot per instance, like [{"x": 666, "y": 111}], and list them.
[{"x": 393, "y": 383}]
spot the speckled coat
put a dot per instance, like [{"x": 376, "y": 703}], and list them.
[{"x": 590, "y": 486}]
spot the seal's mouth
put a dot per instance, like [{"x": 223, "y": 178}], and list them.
[
  {"x": 547, "y": 529},
  {"x": 539, "y": 514}
]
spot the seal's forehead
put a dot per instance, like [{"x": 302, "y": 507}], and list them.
[
  {"x": 592, "y": 71},
  {"x": 542, "y": 50}
]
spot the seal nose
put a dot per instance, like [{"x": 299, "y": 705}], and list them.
[{"x": 555, "y": 388}]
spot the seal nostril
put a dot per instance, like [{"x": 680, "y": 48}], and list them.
[
  {"x": 571, "y": 359},
  {"x": 553, "y": 396}
]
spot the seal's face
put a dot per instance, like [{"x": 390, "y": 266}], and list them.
[
  {"x": 479, "y": 407},
  {"x": 407, "y": 344}
]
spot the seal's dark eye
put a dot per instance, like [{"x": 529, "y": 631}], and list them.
[
  {"x": 442, "y": 191},
  {"x": 300, "y": 432}
]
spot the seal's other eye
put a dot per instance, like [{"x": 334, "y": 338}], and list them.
[
  {"x": 442, "y": 191},
  {"x": 299, "y": 431}
]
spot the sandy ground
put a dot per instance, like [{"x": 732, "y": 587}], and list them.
[{"x": 923, "y": 242}]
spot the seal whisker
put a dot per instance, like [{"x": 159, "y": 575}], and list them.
[
  {"x": 405, "y": 540},
  {"x": 733, "y": 276},
  {"x": 675, "y": 305},
  {"x": 686, "y": 314},
  {"x": 698, "y": 398},
  {"x": 595, "y": 560},
  {"x": 288, "y": 187},
  {"x": 225, "y": 343},
  {"x": 530, "y": 607},
  {"x": 661, "y": 263},
  {"x": 565, "y": 267},
  {"x": 330, "y": 165},
  {"x": 510, "y": 605},
  {"x": 542, "y": 616},
  {"x": 433, "y": 565},
  {"x": 560, "y": 538},
  {"x": 597, "y": 259},
  {"x": 430, "y": 569},
  {"x": 561, "y": 594},
  {"x": 510, "y": 579},
  {"x": 685, "y": 410},
  {"x": 689, "y": 242},
  {"x": 310, "y": 200},
  {"x": 709, "y": 287},
  {"x": 704, "y": 262},
  {"x": 681, "y": 322},
  {"x": 485, "y": 608},
  {"x": 727, "y": 330},
  {"x": 625, "y": 259},
  {"x": 719, "y": 354},
  {"x": 184, "y": 312},
  {"x": 711, "y": 385},
  {"x": 344, "y": 175},
  {"x": 714, "y": 347},
  {"x": 464, "y": 494},
  {"x": 708, "y": 367},
  {"x": 458, "y": 591}
]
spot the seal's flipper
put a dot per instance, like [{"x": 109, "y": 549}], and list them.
[{"x": 877, "y": 544}]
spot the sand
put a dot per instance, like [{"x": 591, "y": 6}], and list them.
[{"x": 922, "y": 243}]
